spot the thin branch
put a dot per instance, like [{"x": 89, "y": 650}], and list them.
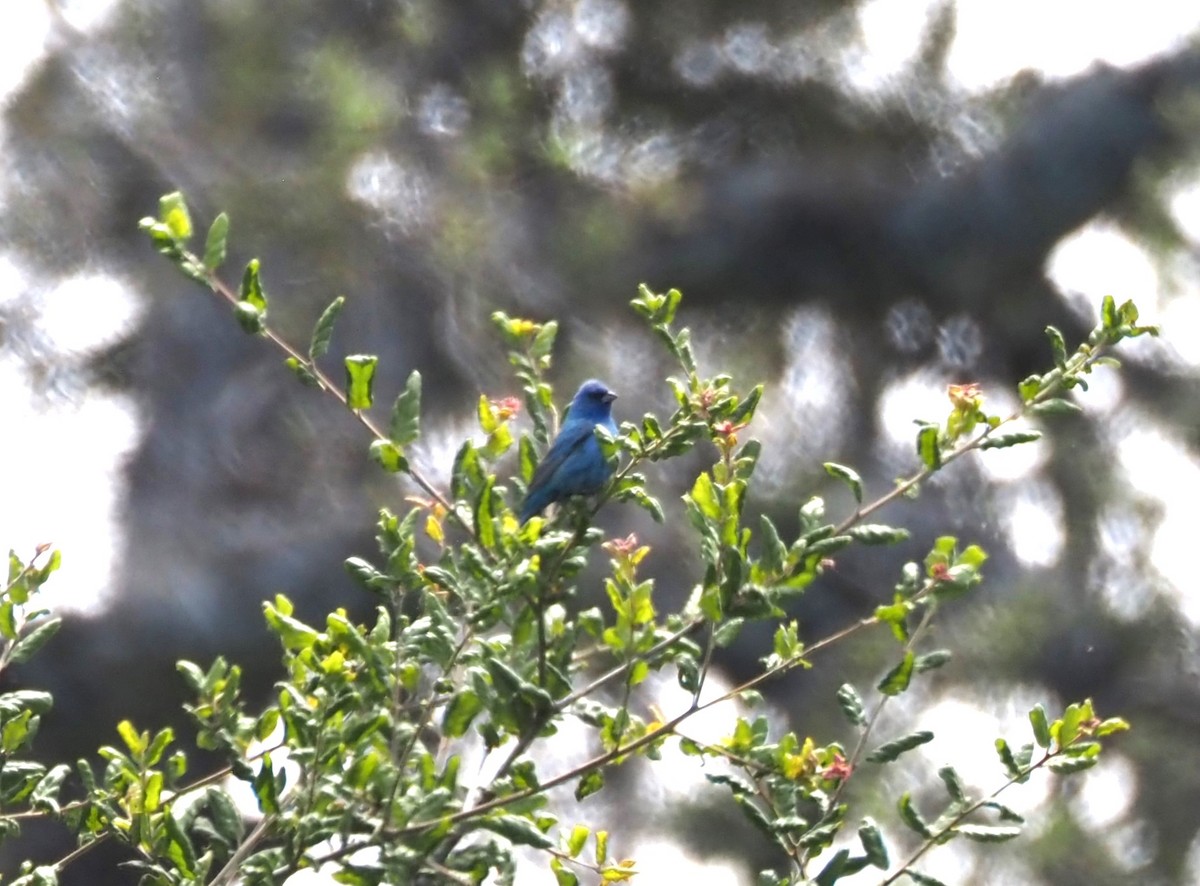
[
  {"x": 958, "y": 819},
  {"x": 227, "y": 873},
  {"x": 81, "y": 850},
  {"x": 567, "y": 700},
  {"x": 663, "y": 731},
  {"x": 1076, "y": 365},
  {"x": 873, "y": 719},
  {"x": 218, "y": 286}
]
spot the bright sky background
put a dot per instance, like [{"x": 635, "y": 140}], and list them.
[{"x": 82, "y": 443}]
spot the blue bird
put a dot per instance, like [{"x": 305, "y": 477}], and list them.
[{"x": 574, "y": 465}]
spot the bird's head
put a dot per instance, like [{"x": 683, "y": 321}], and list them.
[{"x": 592, "y": 401}]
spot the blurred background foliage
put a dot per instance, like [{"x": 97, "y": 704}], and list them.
[{"x": 850, "y": 221}]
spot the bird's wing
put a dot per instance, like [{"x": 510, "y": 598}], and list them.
[{"x": 571, "y": 436}]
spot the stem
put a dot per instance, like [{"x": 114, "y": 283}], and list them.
[
  {"x": 219, "y": 287},
  {"x": 226, "y": 874},
  {"x": 861, "y": 745},
  {"x": 400, "y": 755},
  {"x": 709, "y": 646},
  {"x": 1077, "y": 364},
  {"x": 28, "y": 568},
  {"x": 609, "y": 675},
  {"x": 662, "y": 732},
  {"x": 18, "y": 611},
  {"x": 81, "y": 850},
  {"x": 958, "y": 819}
]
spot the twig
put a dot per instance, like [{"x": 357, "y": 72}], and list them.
[{"x": 243, "y": 851}]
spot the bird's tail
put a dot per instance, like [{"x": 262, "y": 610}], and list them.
[{"x": 535, "y": 502}]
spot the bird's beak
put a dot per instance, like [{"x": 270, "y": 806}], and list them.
[{"x": 609, "y": 397}]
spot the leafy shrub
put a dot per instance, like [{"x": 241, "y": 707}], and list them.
[{"x": 479, "y": 639}]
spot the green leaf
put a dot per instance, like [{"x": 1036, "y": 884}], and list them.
[
  {"x": 42, "y": 875},
  {"x": 833, "y": 869},
  {"x": 1071, "y": 765},
  {"x": 577, "y": 840},
  {"x": 35, "y": 640},
  {"x": 983, "y": 833},
  {"x": 45, "y": 795},
  {"x": 973, "y": 556},
  {"x": 774, "y": 551},
  {"x": 1041, "y": 726},
  {"x": 517, "y": 830},
  {"x": 666, "y": 314},
  {"x": 405, "y": 425},
  {"x": 360, "y": 379},
  {"x": 388, "y": 456},
  {"x": 267, "y": 721},
  {"x": 1110, "y": 726},
  {"x": 1003, "y": 441},
  {"x": 159, "y": 744},
  {"x": 293, "y": 633},
  {"x": 252, "y": 291},
  {"x": 173, "y": 212},
  {"x": 1007, "y": 759},
  {"x": 1004, "y": 812},
  {"x": 890, "y": 751},
  {"x": 911, "y": 817},
  {"x": 931, "y": 660},
  {"x": 601, "y": 852},
  {"x": 787, "y": 643},
  {"x": 928, "y": 448},
  {"x": 34, "y": 700},
  {"x": 226, "y": 819},
  {"x": 872, "y": 843},
  {"x": 20, "y": 780},
  {"x": 726, "y": 632},
  {"x": 897, "y": 679},
  {"x": 8, "y": 625},
  {"x": 590, "y": 783},
  {"x": 848, "y": 476},
  {"x": 179, "y": 847},
  {"x": 877, "y": 534},
  {"x": 647, "y": 301},
  {"x": 637, "y": 494},
  {"x": 460, "y": 712},
  {"x": 543, "y": 344},
  {"x": 954, "y": 785},
  {"x": 214, "y": 244},
  {"x": 1108, "y": 313},
  {"x": 267, "y": 785},
  {"x": 488, "y": 421},
  {"x": 301, "y": 370},
  {"x": 15, "y": 732},
  {"x": 249, "y": 317},
  {"x": 527, "y": 455},
  {"x": 1055, "y": 406},
  {"x": 192, "y": 675},
  {"x": 745, "y": 409},
  {"x": 1067, "y": 729},
  {"x": 1058, "y": 346},
  {"x": 895, "y": 616},
  {"x": 852, "y": 704},
  {"x": 484, "y": 526},
  {"x": 322, "y": 333},
  {"x": 705, "y": 498},
  {"x": 1029, "y": 388},
  {"x": 135, "y": 742},
  {"x": 562, "y": 876},
  {"x": 681, "y": 346}
]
